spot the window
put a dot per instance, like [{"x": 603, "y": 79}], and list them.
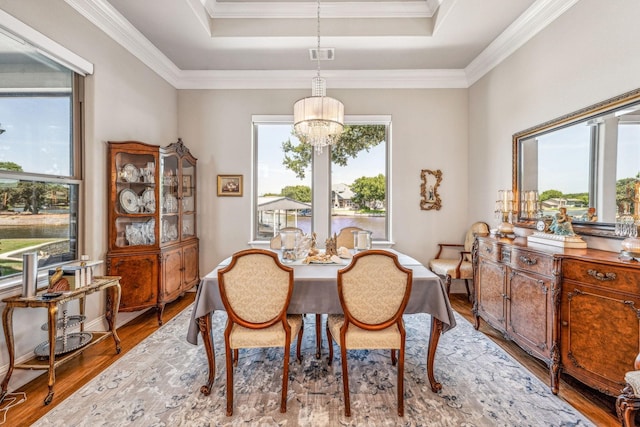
[
  {"x": 40, "y": 173},
  {"x": 359, "y": 180},
  {"x": 292, "y": 182}
]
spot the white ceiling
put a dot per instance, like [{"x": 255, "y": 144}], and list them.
[{"x": 265, "y": 43}]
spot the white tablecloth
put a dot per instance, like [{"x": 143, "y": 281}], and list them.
[{"x": 316, "y": 291}]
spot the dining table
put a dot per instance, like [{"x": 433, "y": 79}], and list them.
[{"x": 315, "y": 290}]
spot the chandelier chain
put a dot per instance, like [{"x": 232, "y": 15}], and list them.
[{"x": 318, "y": 27}]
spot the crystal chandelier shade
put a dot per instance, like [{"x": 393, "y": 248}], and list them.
[{"x": 318, "y": 120}]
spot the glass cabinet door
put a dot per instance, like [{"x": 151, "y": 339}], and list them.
[
  {"x": 188, "y": 227},
  {"x": 135, "y": 199},
  {"x": 169, "y": 198}
]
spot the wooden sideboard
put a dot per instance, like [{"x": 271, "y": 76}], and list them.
[{"x": 575, "y": 309}]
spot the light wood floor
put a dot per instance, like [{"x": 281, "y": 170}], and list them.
[
  {"x": 598, "y": 407},
  {"x": 77, "y": 372}
]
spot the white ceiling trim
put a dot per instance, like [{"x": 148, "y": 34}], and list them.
[
  {"x": 105, "y": 17},
  {"x": 360, "y": 9},
  {"x": 109, "y": 20},
  {"x": 530, "y": 23},
  {"x": 20, "y": 31},
  {"x": 336, "y": 79}
]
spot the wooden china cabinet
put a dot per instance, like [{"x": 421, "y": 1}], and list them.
[{"x": 153, "y": 243}]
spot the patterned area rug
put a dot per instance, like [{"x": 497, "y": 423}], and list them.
[{"x": 158, "y": 384}]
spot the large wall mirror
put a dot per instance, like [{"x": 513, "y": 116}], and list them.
[{"x": 587, "y": 161}]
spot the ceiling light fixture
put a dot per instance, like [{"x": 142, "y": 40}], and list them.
[{"x": 318, "y": 120}]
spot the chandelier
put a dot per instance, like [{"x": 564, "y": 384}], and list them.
[{"x": 318, "y": 120}]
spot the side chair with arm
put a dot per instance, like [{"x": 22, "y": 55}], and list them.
[
  {"x": 256, "y": 290},
  {"x": 458, "y": 267},
  {"x": 374, "y": 290},
  {"x": 628, "y": 403}
]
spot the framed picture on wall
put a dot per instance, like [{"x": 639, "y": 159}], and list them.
[{"x": 229, "y": 185}]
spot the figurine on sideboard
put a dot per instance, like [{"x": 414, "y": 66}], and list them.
[{"x": 561, "y": 224}]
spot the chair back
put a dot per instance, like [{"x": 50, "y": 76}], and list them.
[
  {"x": 345, "y": 237},
  {"x": 256, "y": 288},
  {"x": 476, "y": 229},
  {"x": 276, "y": 241},
  {"x": 374, "y": 289}
]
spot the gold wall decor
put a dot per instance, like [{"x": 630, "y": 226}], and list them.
[{"x": 429, "y": 189}]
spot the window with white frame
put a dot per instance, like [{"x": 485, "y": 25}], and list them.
[
  {"x": 289, "y": 176},
  {"x": 40, "y": 168}
]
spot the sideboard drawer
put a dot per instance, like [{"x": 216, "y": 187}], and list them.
[
  {"x": 532, "y": 261},
  {"x": 613, "y": 277},
  {"x": 489, "y": 251}
]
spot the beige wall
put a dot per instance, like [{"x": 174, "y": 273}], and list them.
[
  {"x": 429, "y": 131},
  {"x": 124, "y": 100},
  {"x": 587, "y": 55}
]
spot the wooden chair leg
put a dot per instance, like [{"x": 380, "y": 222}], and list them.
[
  {"x": 236, "y": 354},
  {"x": 345, "y": 382},
  {"x": 466, "y": 284},
  {"x": 401, "y": 383},
  {"x": 318, "y": 335},
  {"x": 229, "y": 363},
  {"x": 447, "y": 284},
  {"x": 627, "y": 406},
  {"x": 330, "y": 344},
  {"x": 394, "y": 359},
  {"x": 285, "y": 378},
  {"x": 299, "y": 344}
]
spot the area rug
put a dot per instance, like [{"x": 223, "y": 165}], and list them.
[{"x": 158, "y": 384}]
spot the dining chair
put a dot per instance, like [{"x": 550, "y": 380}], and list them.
[
  {"x": 628, "y": 403},
  {"x": 276, "y": 241},
  {"x": 373, "y": 290},
  {"x": 345, "y": 237},
  {"x": 256, "y": 290},
  {"x": 458, "y": 267}
]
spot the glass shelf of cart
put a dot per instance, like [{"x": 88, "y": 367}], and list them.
[{"x": 135, "y": 231}]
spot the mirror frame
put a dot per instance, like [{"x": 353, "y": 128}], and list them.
[{"x": 607, "y": 106}]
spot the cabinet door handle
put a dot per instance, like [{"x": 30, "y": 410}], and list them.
[
  {"x": 505, "y": 296},
  {"x": 528, "y": 261},
  {"x": 488, "y": 250},
  {"x": 565, "y": 323},
  {"x": 603, "y": 277}
]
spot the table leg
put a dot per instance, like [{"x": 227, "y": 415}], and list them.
[
  {"x": 7, "y": 322},
  {"x": 434, "y": 337},
  {"x": 53, "y": 330},
  {"x": 113, "y": 302},
  {"x": 318, "y": 335},
  {"x": 204, "y": 324}
]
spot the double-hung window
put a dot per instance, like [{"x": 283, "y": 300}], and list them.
[{"x": 40, "y": 167}]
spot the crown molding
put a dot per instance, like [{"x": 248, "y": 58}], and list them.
[
  {"x": 336, "y": 79},
  {"x": 304, "y": 9},
  {"x": 105, "y": 17},
  {"x": 530, "y": 23}
]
